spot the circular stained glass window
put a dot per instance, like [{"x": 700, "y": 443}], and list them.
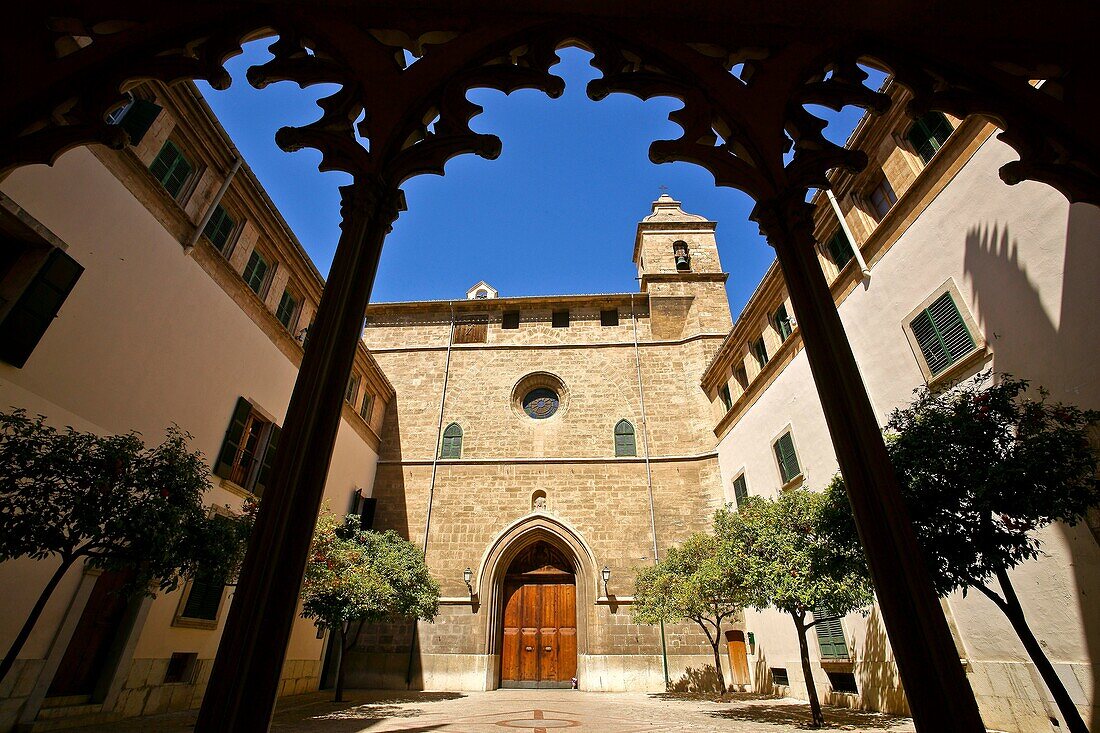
[{"x": 540, "y": 403}]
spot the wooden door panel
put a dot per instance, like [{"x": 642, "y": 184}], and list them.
[
  {"x": 548, "y": 655},
  {"x": 510, "y": 654},
  {"x": 529, "y": 659},
  {"x": 99, "y": 623},
  {"x": 540, "y": 633},
  {"x": 567, "y": 654}
]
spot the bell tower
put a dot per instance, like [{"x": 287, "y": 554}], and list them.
[{"x": 677, "y": 259}]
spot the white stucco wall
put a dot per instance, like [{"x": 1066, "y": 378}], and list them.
[{"x": 1027, "y": 264}]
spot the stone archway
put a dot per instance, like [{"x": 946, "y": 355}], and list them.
[{"x": 507, "y": 552}]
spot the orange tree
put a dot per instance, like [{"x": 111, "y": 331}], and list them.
[
  {"x": 982, "y": 467},
  {"x": 112, "y": 502}
]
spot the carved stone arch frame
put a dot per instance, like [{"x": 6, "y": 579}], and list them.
[{"x": 499, "y": 555}]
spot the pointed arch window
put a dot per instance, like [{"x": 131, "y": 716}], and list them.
[
  {"x": 452, "y": 442},
  {"x": 625, "y": 444}
]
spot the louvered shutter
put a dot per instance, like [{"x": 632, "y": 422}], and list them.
[
  {"x": 171, "y": 168},
  {"x": 219, "y": 227},
  {"x": 740, "y": 489},
  {"x": 785, "y": 455},
  {"x": 232, "y": 442},
  {"x": 264, "y": 476},
  {"x": 625, "y": 443},
  {"x": 139, "y": 118},
  {"x": 840, "y": 249},
  {"x": 830, "y": 635},
  {"x": 27, "y": 321},
  {"x": 941, "y": 334},
  {"x": 204, "y": 598}
]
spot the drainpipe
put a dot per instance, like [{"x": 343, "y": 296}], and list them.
[
  {"x": 213, "y": 205},
  {"x": 648, "y": 471},
  {"x": 431, "y": 485},
  {"x": 848, "y": 233}
]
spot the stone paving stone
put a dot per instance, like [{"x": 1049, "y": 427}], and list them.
[{"x": 539, "y": 711}]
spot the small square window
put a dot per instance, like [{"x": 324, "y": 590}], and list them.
[
  {"x": 181, "y": 668},
  {"x": 779, "y": 676},
  {"x": 843, "y": 682},
  {"x": 559, "y": 319},
  {"x": 510, "y": 320},
  {"x": 609, "y": 317}
]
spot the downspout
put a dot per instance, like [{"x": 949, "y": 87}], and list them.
[
  {"x": 213, "y": 205},
  {"x": 848, "y": 233},
  {"x": 648, "y": 471},
  {"x": 431, "y": 485}
]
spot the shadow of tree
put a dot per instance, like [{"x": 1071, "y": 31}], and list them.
[
  {"x": 877, "y": 675},
  {"x": 789, "y": 714},
  {"x": 697, "y": 680}
]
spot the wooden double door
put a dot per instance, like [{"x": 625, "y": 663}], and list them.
[{"x": 540, "y": 633}]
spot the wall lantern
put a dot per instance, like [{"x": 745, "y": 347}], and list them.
[
  {"x": 467, "y": 576},
  {"x": 606, "y": 575}
]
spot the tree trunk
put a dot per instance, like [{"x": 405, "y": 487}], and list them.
[
  {"x": 818, "y": 719},
  {"x": 717, "y": 659},
  {"x": 28, "y": 626},
  {"x": 340, "y": 664},
  {"x": 1015, "y": 613}
]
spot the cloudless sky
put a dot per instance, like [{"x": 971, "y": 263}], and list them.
[{"x": 556, "y": 213}]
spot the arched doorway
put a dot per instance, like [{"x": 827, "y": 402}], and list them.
[{"x": 539, "y": 623}]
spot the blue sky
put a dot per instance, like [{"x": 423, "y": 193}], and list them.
[{"x": 554, "y": 214}]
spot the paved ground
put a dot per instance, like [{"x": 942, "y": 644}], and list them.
[{"x": 538, "y": 711}]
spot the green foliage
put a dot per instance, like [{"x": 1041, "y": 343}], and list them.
[
  {"x": 355, "y": 574},
  {"x": 693, "y": 582},
  {"x": 112, "y": 500},
  {"x": 981, "y": 467},
  {"x": 787, "y": 557}
]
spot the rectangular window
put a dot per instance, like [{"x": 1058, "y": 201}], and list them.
[
  {"x": 740, "y": 490},
  {"x": 219, "y": 228},
  {"x": 742, "y": 376},
  {"x": 26, "y": 322},
  {"x": 560, "y": 319},
  {"x": 510, "y": 320},
  {"x": 471, "y": 333},
  {"x": 609, "y": 318},
  {"x": 204, "y": 597},
  {"x": 882, "y": 197},
  {"x": 928, "y": 134},
  {"x": 366, "y": 407},
  {"x": 760, "y": 351},
  {"x": 135, "y": 118},
  {"x": 288, "y": 308},
  {"x": 941, "y": 334},
  {"x": 782, "y": 322},
  {"x": 255, "y": 272},
  {"x": 727, "y": 398},
  {"x": 843, "y": 682},
  {"x": 248, "y": 450},
  {"x": 181, "y": 668},
  {"x": 786, "y": 457},
  {"x": 171, "y": 169},
  {"x": 839, "y": 248},
  {"x": 779, "y": 676},
  {"x": 352, "y": 389},
  {"x": 830, "y": 634}
]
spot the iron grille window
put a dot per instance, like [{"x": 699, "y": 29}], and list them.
[
  {"x": 288, "y": 306},
  {"x": 219, "y": 228},
  {"x": 625, "y": 443},
  {"x": 839, "y": 249},
  {"x": 452, "y": 442},
  {"x": 786, "y": 457},
  {"x": 255, "y": 272},
  {"x": 941, "y": 333},
  {"x": 928, "y": 134},
  {"x": 171, "y": 168}
]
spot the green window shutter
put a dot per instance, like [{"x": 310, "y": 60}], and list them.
[
  {"x": 219, "y": 227},
  {"x": 625, "y": 442},
  {"x": 941, "y": 334},
  {"x": 727, "y": 398},
  {"x": 232, "y": 442},
  {"x": 255, "y": 272},
  {"x": 138, "y": 118},
  {"x": 785, "y": 455},
  {"x": 760, "y": 351},
  {"x": 782, "y": 323},
  {"x": 287, "y": 305},
  {"x": 839, "y": 248},
  {"x": 27, "y": 321},
  {"x": 171, "y": 168},
  {"x": 264, "y": 476},
  {"x": 452, "y": 442},
  {"x": 740, "y": 489},
  {"x": 204, "y": 598},
  {"x": 928, "y": 134},
  {"x": 830, "y": 635}
]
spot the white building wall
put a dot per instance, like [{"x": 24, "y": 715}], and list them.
[{"x": 1027, "y": 264}]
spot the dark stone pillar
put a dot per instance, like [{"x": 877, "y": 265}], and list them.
[
  {"x": 934, "y": 680},
  {"x": 245, "y": 680}
]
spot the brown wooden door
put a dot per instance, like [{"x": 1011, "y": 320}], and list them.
[
  {"x": 540, "y": 634},
  {"x": 92, "y": 640},
  {"x": 739, "y": 660}
]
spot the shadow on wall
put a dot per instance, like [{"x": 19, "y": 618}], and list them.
[
  {"x": 1054, "y": 349},
  {"x": 876, "y": 674},
  {"x": 697, "y": 680}
]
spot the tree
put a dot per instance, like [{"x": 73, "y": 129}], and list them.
[
  {"x": 692, "y": 582},
  {"x": 790, "y": 565},
  {"x": 112, "y": 502},
  {"x": 355, "y": 576},
  {"x": 982, "y": 467}
]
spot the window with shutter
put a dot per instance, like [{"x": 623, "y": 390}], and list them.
[
  {"x": 782, "y": 322},
  {"x": 839, "y": 249},
  {"x": 452, "y": 442},
  {"x": 928, "y": 134},
  {"x": 727, "y": 398},
  {"x": 760, "y": 351},
  {"x": 609, "y": 318},
  {"x": 171, "y": 168},
  {"x": 742, "y": 376},
  {"x": 352, "y": 389},
  {"x": 625, "y": 443},
  {"x": 27, "y": 321},
  {"x": 288, "y": 308},
  {"x": 510, "y": 320},
  {"x": 264, "y": 474},
  {"x": 830, "y": 634},
  {"x": 366, "y": 407},
  {"x": 219, "y": 228},
  {"x": 882, "y": 198},
  {"x": 559, "y": 319},
  {"x": 204, "y": 597},
  {"x": 740, "y": 489},
  {"x": 941, "y": 334},
  {"x": 786, "y": 457},
  {"x": 255, "y": 272},
  {"x": 136, "y": 118},
  {"x": 248, "y": 448}
]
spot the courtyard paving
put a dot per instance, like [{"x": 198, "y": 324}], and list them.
[{"x": 538, "y": 711}]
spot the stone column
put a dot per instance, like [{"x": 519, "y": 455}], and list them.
[
  {"x": 934, "y": 680},
  {"x": 245, "y": 678}
]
